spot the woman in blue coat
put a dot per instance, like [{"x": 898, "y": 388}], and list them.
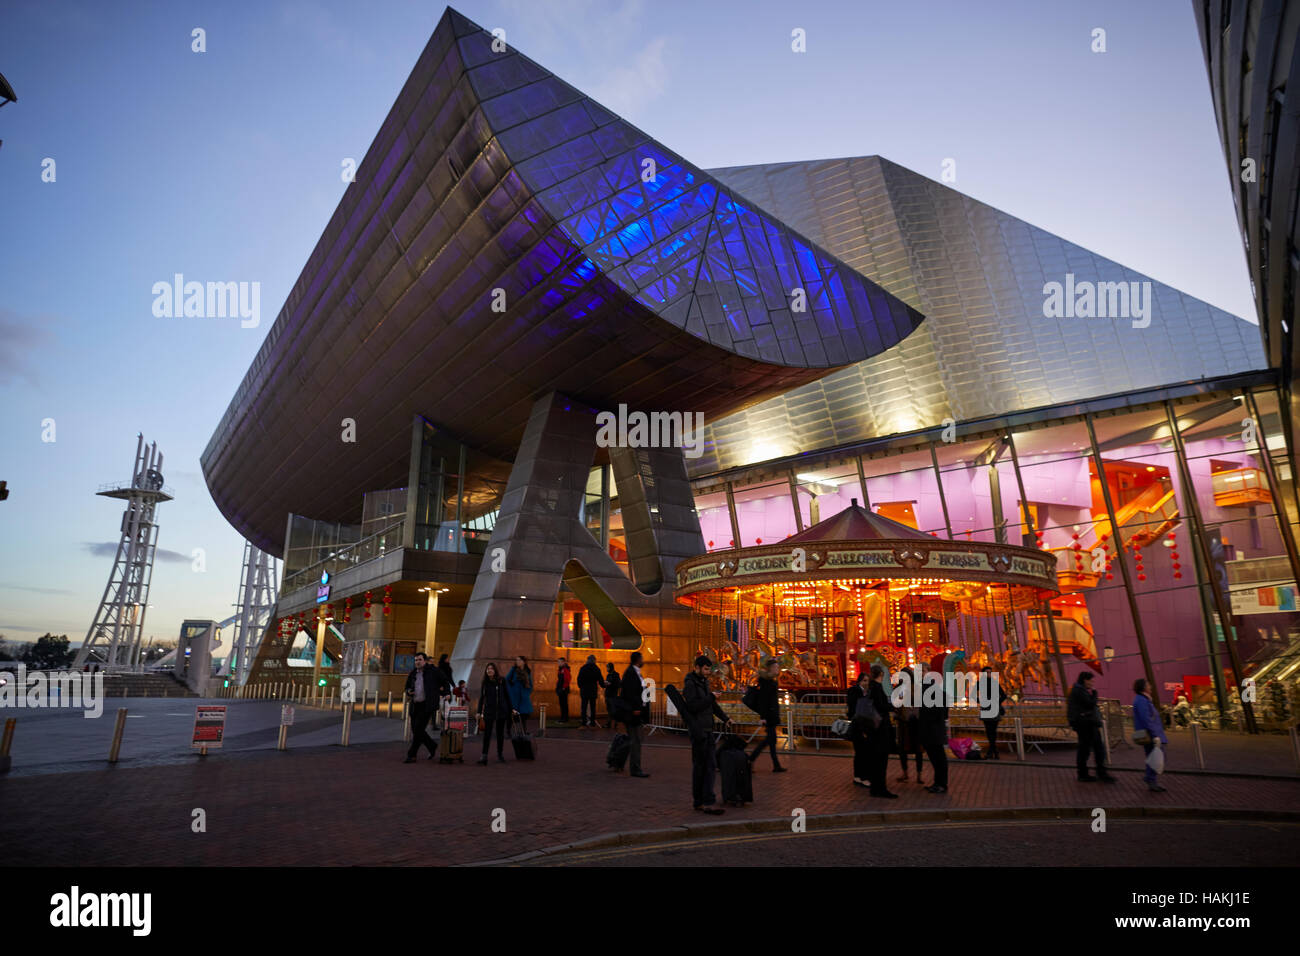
[
  {"x": 1147, "y": 718},
  {"x": 519, "y": 683}
]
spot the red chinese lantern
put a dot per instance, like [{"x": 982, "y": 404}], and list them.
[
  {"x": 388, "y": 598},
  {"x": 758, "y": 540},
  {"x": 710, "y": 544}
]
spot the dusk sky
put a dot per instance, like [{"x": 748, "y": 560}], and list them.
[{"x": 225, "y": 166}]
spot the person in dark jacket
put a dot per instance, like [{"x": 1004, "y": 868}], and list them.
[
  {"x": 612, "y": 685},
  {"x": 563, "y": 679},
  {"x": 425, "y": 688},
  {"x": 494, "y": 711},
  {"x": 882, "y": 738},
  {"x": 444, "y": 665},
  {"x": 769, "y": 711},
  {"x": 932, "y": 727},
  {"x": 991, "y": 723},
  {"x": 589, "y": 684},
  {"x": 519, "y": 682},
  {"x": 633, "y": 711},
  {"x": 1084, "y": 715},
  {"x": 859, "y": 732},
  {"x": 701, "y": 707},
  {"x": 909, "y": 740}
]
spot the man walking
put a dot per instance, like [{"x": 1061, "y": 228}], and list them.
[
  {"x": 701, "y": 707},
  {"x": 589, "y": 684},
  {"x": 768, "y": 708},
  {"x": 1085, "y": 719},
  {"x": 425, "y": 688},
  {"x": 633, "y": 711},
  {"x": 562, "y": 680}
]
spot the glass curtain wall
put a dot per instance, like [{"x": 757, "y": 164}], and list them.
[{"x": 1128, "y": 570}]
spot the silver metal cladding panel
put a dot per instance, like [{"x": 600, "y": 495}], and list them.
[{"x": 986, "y": 348}]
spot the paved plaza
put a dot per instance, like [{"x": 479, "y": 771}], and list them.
[{"x": 321, "y": 804}]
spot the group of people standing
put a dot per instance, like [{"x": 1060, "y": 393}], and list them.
[{"x": 871, "y": 715}]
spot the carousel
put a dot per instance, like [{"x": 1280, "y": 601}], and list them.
[{"x": 860, "y": 589}]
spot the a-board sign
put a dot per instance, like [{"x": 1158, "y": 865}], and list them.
[
  {"x": 209, "y": 726},
  {"x": 286, "y": 715}
]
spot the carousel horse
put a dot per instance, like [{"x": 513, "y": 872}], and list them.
[
  {"x": 982, "y": 657},
  {"x": 805, "y": 670}
]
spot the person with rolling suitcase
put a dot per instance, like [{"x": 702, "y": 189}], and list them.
[
  {"x": 494, "y": 711},
  {"x": 699, "y": 706},
  {"x": 425, "y": 688}
]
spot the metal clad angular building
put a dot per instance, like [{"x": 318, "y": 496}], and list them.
[{"x": 514, "y": 259}]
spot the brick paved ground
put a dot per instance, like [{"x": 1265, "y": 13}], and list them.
[{"x": 363, "y": 806}]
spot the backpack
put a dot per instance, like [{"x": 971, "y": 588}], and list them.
[
  {"x": 866, "y": 711},
  {"x": 750, "y": 699}
]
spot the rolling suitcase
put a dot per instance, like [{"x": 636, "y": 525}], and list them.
[
  {"x": 737, "y": 781},
  {"x": 452, "y": 745},
  {"x": 525, "y": 747},
  {"x": 619, "y": 748}
]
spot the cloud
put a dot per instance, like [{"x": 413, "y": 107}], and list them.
[
  {"x": 24, "y": 587},
  {"x": 589, "y": 36},
  {"x": 20, "y": 337},
  {"x": 627, "y": 88},
  {"x": 108, "y": 549}
]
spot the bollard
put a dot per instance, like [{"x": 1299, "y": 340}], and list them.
[
  {"x": 406, "y": 723},
  {"x": 541, "y": 720},
  {"x": 1020, "y": 737},
  {"x": 1105, "y": 739},
  {"x": 347, "y": 723},
  {"x": 789, "y": 727},
  {"x": 364, "y": 691},
  {"x": 1295, "y": 743},
  {"x": 117, "y": 735},
  {"x": 6, "y": 741},
  {"x": 282, "y": 744},
  {"x": 1196, "y": 745},
  {"x": 331, "y": 705},
  {"x": 390, "y": 705}
]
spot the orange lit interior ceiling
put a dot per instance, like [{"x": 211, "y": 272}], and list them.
[
  {"x": 1234, "y": 486},
  {"x": 1145, "y": 509},
  {"x": 833, "y": 567}
]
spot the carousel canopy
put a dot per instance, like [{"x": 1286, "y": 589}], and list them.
[{"x": 855, "y": 551}]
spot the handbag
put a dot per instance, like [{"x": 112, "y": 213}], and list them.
[
  {"x": 1141, "y": 736},
  {"x": 750, "y": 699}
]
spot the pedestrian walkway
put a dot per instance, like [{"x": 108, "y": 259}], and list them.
[{"x": 363, "y": 806}]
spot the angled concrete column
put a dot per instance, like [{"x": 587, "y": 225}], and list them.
[{"x": 540, "y": 540}]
